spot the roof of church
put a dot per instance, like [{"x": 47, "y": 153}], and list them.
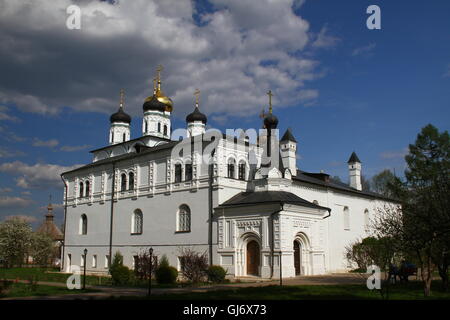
[
  {"x": 252, "y": 198},
  {"x": 196, "y": 115},
  {"x": 48, "y": 227},
  {"x": 322, "y": 179},
  {"x": 288, "y": 136}
]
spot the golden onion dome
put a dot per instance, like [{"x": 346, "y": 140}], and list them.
[{"x": 164, "y": 99}]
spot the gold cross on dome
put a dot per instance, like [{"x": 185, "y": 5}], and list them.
[
  {"x": 158, "y": 72},
  {"x": 270, "y": 94},
  {"x": 197, "y": 96},
  {"x": 122, "y": 96}
]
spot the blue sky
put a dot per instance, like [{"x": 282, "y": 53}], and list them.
[{"x": 369, "y": 91}]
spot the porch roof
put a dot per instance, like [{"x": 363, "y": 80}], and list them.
[{"x": 263, "y": 197}]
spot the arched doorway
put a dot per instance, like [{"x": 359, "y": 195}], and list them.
[
  {"x": 297, "y": 258},
  {"x": 253, "y": 258}
]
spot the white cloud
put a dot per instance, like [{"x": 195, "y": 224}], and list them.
[
  {"x": 45, "y": 143},
  {"x": 394, "y": 154},
  {"x": 14, "y": 201},
  {"x": 5, "y": 116},
  {"x": 325, "y": 40},
  {"x": 7, "y": 153},
  {"x": 234, "y": 55},
  {"x": 364, "y": 50},
  {"x": 75, "y": 148},
  {"x": 40, "y": 175}
]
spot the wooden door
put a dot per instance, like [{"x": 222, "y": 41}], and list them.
[
  {"x": 253, "y": 258},
  {"x": 297, "y": 258}
]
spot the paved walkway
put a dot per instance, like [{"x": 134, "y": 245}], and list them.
[{"x": 107, "y": 292}]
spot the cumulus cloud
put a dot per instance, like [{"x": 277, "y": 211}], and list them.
[
  {"x": 324, "y": 39},
  {"x": 234, "y": 54},
  {"x": 40, "y": 175}
]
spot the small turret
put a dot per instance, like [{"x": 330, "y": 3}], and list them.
[
  {"x": 196, "y": 121},
  {"x": 354, "y": 168},
  {"x": 120, "y": 124},
  {"x": 288, "y": 150}
]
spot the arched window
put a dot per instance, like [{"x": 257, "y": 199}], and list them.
[
  {"x": 83, "y": 224},
  {"x": 178, "y": 172},
  {"x": 231, "y": 166},
  {"x": 124, "y": 137},
  {"x": 188, "y": 172},
  {"x": 165, "y": 130},
  {"x": 123, "y": 183},
  {"x": 137, "y": 222},
  {"x": 366, "y": 220},
  {"x": 87, "y": 184},
  {"x": 346, "y": 218},
  {"x": 241, "y": 171},
  {"x": 81, "y": 190},
  {"x": 184, "y": 219},
  {"x": 131, "y": 181},
  {"x": 159, "y": 126}
]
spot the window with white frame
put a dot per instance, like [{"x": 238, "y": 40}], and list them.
[
  {"x": 241, "y": 171},
  {"x": 184, "y": 219},
  {"x": 231, "y": 168},
  {"x": 81, "y": 192},
  {"x": 178, "y": 172},
  {"x": 137, "y": 222},
  {"x": 346, "y": 218},
  {"x": 107, "y": 261},
  {"x": 188, "y": 172},
  {"x": 94, "y": 261},
  {"x": 87, "y": 184},
  {"x": 123, "y": 182},
  {"x": 131, "y": 181}
]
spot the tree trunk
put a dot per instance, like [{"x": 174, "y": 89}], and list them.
[
  {"x": 427, "y": 276},
  {"x": 443, "y": 273}
]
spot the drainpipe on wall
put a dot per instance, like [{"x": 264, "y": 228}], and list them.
[
  {"x": 112, "y": 214},
  {"x": 210, "y": 207},
  {"x": 65, "y": 224},
  {"x": 273, "y": 238}
]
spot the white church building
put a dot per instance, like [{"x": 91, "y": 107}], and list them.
[{"x": 241, "y": 200}]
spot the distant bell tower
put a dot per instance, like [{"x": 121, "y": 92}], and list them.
[
  {"x": 288, "y": 150},
  {"x": 354, "y": 168},
  {"x": 157, "y": 110},
  {"x": 120, "y": 124},
  {"x": 196, "y": 121}
]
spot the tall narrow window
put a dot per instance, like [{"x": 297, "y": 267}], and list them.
[
  {"x": 112, "y": 137},
  {"x": 146, "y": 126},
  {"x": 131, "y": 181},
  {"x": 124, "y": 137},
  {"x": 94, "y": 261},
  {"x": 107, "y": 261},
  {"x": 159, "y": 126},
  {"x": 165, "y": 130},
  {"x": 184, "y": 219},
  {"x": 346, "y": 219},
  {"x": 242, "y": 171},
  {"x": 188, "y": 172},
  {"x": 123, "y": 183},
  {"x": 178, "y": 173},
  {"x": 366, "y": 220},
  {"x": 83, "y": 224},
  {"x": 137, "y": 222},
  {"x": 81, "y": 190},
  {"x": 231, "y": 165},
  {"x": 87, "y": 184}
]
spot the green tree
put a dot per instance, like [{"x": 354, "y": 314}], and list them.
[
  {"x": 15, "y": 241},
  {"x": 422, "y": 226},
  {"x": 382, "y": 182}
]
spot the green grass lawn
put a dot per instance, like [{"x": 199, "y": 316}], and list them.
[
  {"x": 26, "y": 290},
  {"x": 410, "y": 291},
  {"x": 47, "y": 274}
]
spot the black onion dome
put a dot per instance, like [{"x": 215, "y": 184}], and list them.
[
  {"x": 196, "y": 115},
  {"x": 120, "y": 116},
  {"x": 270, "y": 121},
  {"x": 153, "y": 104}
]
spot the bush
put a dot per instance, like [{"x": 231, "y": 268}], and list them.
[
  {"x": 120, "y": 274},
  {"x": 142, "y": 265},
  {"x": 216, "y": 274},
  {"x": 166, "y": 274},
  {"x": 193, "y": 265}
]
